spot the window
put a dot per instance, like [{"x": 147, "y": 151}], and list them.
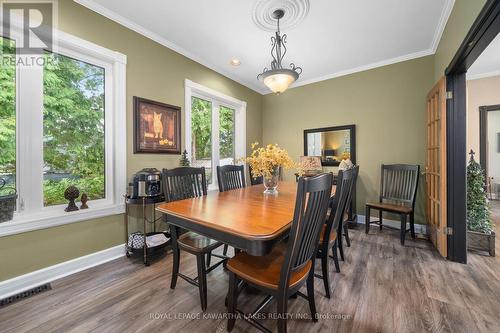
[
  {"x": 201, "y": 135},
  {"x": 226, "y": 135},
  {"x": 73, "y": 99},
  {"x": 8, "y": 114},
  {"x": 215, "y": 129},
  {"x": 69, "y": 120}
]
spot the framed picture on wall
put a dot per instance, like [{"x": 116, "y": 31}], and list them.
[{"x": 157, "y": 127}]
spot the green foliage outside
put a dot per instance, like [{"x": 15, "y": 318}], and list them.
[
  {"x": 226, "y": 134},
  {"x": 73, "y": 126},
  {"x": 478, "y": 213},
  {"x": 7, "y": 111},
  {"x": 201, "y": 127}
]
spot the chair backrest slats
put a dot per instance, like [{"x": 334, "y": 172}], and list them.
[
  {"x": 231, "y": 177},
  {"x": 183, "y": 183},
  {"x": 255, "y": 180},
  {"x": 311, "y": 204},
  {"x": 346, "y": 182},
  {"x": 399, "y": 183}
]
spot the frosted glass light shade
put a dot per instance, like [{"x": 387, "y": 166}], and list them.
[{"x": 279, "y": 80}]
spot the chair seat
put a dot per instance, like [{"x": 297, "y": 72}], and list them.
[
  {"x": 196, "y": 243},
  {"x": 265, "y": 270},
  {"x": 333, "y": 235},
  {"x": 390, "y": 207}
]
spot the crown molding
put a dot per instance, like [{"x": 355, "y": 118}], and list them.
[
  {"x": 445, "y": 14},
  {"x": 443, "y": 20},
  {"x": 482, "y": 75},
  {"x": 362, "y": 68}
]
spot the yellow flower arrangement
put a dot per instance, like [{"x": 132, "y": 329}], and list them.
[{"x": 265, "y": 161}]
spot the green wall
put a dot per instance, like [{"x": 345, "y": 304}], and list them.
[
  {"x": 386, "y": 104},
  {"x": 154, "y": 72},
  {"x": 462, "y": 16}
]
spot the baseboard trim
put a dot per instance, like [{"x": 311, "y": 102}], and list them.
[
  {"x": 45, "y": 275},
  {"x": 419, "y": 228}
]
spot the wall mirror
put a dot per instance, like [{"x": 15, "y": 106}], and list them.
[{"x": 332, "y": 144}]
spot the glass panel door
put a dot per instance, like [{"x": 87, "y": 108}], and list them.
[
  {"x": 201, "y": 135},
  {"x": 226, "y": 136}
]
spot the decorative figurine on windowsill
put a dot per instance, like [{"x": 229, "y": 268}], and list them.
[
  {"x": 84, "y": 200},
  {"x": 71, "y": 194}
]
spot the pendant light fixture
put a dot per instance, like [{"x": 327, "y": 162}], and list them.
[{"x": 278, "y": 79}]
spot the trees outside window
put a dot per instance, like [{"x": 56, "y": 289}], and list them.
[
  {"x": 73, "y": 128},
  {"x": 215, "y": 129},
  {"x": 8, "y": 113}
]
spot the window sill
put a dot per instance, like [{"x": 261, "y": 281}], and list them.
[{"x": 51, "y": 219}]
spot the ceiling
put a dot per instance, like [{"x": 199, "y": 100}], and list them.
[
  {"x": 328, "y": 38},
  {"x": 488, "y": 63}
]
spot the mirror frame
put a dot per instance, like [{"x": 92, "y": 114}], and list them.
[{"x": 352, "y": 138}]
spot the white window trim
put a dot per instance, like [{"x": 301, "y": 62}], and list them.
[
  {"x": 217, "y": 99},
  {"x": 40, "y": 217}
]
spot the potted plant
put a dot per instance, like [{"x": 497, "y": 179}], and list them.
[
  {"x": 184, "y": 161},
  {"x": 480, "y": 234},
  {"x": 266, "y": 162}
]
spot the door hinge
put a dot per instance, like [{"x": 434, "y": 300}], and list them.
[
  {"x": 449, "y": 95},
  {"x": 448, "y": 231}
]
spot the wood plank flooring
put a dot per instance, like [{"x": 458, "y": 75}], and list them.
[{"x": 383, "y": 287}]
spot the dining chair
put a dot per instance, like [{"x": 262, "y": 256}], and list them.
[
  {"x": 332, "y": 229},
  {"x": 398, "y": 191},
  {"x": 230, "y": 177},
  {"x": 343, "y": 226},
  {"x": 255, "y": 180},
  {"x": 183, "y": 183},
  {"x": 281, "y": 273}
]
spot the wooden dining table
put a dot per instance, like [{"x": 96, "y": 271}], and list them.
[{"x": 245, "y": 218}]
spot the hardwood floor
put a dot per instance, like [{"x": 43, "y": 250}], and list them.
[{"x": 383, "y": 287}]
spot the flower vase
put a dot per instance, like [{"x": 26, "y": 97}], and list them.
[{"x": 271, "y": 182}]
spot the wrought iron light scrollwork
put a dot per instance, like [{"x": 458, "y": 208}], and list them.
[{"x": 278, "y": 79}]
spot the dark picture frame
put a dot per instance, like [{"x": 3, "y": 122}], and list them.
[
  {"x": 157, "y": 127},
  {"x": 352, "y": 139}
]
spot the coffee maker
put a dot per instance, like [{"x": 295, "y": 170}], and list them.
[{"x": 145, "y": 183}]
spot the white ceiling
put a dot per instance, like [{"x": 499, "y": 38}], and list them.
[
  {"x": 488, "y": 63},
  {"x": 337, "y": 37}
]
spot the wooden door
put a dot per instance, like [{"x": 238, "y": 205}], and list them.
[{"x": 435, "y": 171}]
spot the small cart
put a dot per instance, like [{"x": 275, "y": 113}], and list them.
[{"x": 146, "y": 251}]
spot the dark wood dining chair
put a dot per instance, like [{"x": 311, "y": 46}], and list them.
[
  {"x": 344, "y": 226},
  {"x": 398, "y": 191},
  {"x": 332, "y": 230},
  {"x": 255, "y": 180},
  {"x": 230, "y": 177},
  {"x": 289, "y": 266},
  {"x": 183, "y": 183}
]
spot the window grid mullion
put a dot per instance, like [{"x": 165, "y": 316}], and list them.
[
  {"x": 30, "y": 138},
  {"x": 215, "y": 140}
]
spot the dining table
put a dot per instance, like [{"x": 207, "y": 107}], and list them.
[{"x": 245, "y": 218}]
